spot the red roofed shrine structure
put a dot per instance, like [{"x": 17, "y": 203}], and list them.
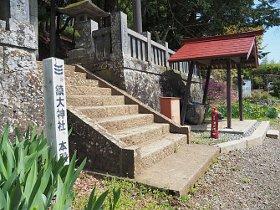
[{"x": 220, "y": 52}]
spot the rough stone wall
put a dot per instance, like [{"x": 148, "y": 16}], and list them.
[
  {"x": 102, "y": 152},
  {"x": 149, "y": 82},
  {"x": 143, "y": 86},
  {"x": 21, "y": 95}
]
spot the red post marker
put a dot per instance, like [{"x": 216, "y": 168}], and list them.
[{"x": 214, "y": 124}]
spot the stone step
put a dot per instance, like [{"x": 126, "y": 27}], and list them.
[
  {"x": 117, "y": 123},
  {"x": 153, "y": 151},
  {"x": 81, "y": 82},
  {"x": 141, "y": 134},
  {"x": 178, "y": 172},
  {"x": 93, "y": 100},
  {"x": 86, "y": 90},
  {"x": 69, "y": 67},
  {"x": 74, "y": 74},
  {"x": 108, "y": 111}
]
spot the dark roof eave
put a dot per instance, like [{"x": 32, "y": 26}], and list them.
[{"x": 209, "y": 57}]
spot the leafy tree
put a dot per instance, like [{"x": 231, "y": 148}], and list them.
[{"x": 172, "y": 20}]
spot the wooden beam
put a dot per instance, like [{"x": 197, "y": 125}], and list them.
[
  {"x": 187, "y": 95},
  {"x": 240, "y": 91},
  {"x": 205, "y": 93},
  {"x": 229, "y": 108}
]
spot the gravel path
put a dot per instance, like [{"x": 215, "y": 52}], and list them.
[{"x": 247, "y": 179}]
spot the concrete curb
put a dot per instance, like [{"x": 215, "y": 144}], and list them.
[{"x": 255, "y": 139}]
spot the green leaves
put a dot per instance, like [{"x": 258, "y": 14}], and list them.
[
  {"x": 96, "y": 203},
  {"x": 30, "y": 175},
  {"x": 32, "y": 178}
]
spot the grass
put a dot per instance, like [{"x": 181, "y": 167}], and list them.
[
  {"x": 204, "y": 138},
  {"x": 133, "y": 196}
]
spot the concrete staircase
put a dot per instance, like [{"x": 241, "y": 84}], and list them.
[{"x": 121, "y": 136}]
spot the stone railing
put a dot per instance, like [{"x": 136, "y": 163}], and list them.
[
  {"x": 144, "y": 48},
  {"x": 119, "y": 42}
]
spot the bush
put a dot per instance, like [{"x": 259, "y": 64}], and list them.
[
  {"x": 217, "y": 91},
  {"x": 272, "y": 113},
  {"x": 32, "y": 178},
  {"x": 259, "y": 96},
  {"x": 251, "y": 111},
  {"x": 276, "y": 87}
]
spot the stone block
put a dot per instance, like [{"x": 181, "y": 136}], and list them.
[
  {"x": 195, "y": 113},
  {"x": 229, "y": 146},
  {"x": 19, "y": 35},
  {"x": 258, "y": 135},
  {"x": 15, "y": 59},
  {"x": 274, "y": 134},
  {"x": 19, "y": 10},
  {"x": 254, "y": 140}
]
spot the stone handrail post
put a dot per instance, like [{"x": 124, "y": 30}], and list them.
[
  {"x": 119, "y": 33},
  {"x": 149, "y": 46},
  {"x": 166, "y": 54}
]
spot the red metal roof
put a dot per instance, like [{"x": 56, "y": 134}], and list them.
[{"x": 236, "y": 45}]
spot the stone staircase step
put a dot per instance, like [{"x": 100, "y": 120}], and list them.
[
  {"x": 80, "y": 81},
  {"x": 153, "y": 151},
  {"x": 179, "y": 171},
  {"x": 114, "y": 124},
  {"x": 93, "y": 100},
  {"x": 86, "y": 90},
  {"x": 74, "y": 74},
  {"x": 108, "y": 111},
  {"x": 141, "y": 134},
  {"x": 69, "y": 68}
]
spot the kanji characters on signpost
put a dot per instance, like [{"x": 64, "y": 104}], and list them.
[{"x": 55, "y": 107}]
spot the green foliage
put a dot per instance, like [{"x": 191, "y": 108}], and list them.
[
  {"x": 258, "y": 96},
  {"x": 32, "y": 178},
  {"x": 265, "y": 73},
  {"x": 258, "y": 82},
  {"x": 276, "y": 87},
  {"x": 96, "y": 202},
  {"x": 133, "y": 196},
  {"x": 269, "y": 68},
  {"x": 272, "y": 113},
  {"x": 68, "y": 32},
  {"x": 173, "y": 20},
  {"x": 251, "y": 111}
]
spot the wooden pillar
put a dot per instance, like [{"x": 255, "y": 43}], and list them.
[
  {"x": 187, "y": 95},
  {"x": 240, "y": 91},
  {"x": 205, "y": 93},
  {"x": 229, "y": 108}
]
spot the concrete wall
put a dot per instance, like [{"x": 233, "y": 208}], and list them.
[{"x": 21, "y": 96}]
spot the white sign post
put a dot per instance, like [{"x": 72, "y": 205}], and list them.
[
  {"x": 55, "y": 107},
  {"x": 247, "y": 88}
]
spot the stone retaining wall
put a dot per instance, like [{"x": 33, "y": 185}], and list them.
[{"x": 21, "y": 95}]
